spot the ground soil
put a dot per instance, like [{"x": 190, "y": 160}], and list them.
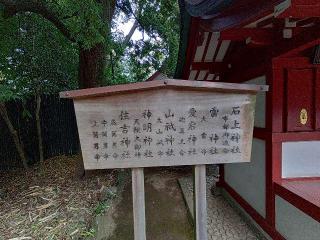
[
  {"x": 52, "y": 201},
  {"x": 166, "y": 214}
]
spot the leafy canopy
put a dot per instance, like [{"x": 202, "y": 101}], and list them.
[
  {"x": 36, "y": 55},
  {"x": 157, "y": 49}
]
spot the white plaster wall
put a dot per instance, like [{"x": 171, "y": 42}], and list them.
[
  {"x": 301, "y": 159},
  {"x": 248, "y": 179},
  {"x": 260, "y": 114},
  {"x": 294, "y": 224}
]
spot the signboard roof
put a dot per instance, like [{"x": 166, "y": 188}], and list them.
[{"x": 160, "y": 84}]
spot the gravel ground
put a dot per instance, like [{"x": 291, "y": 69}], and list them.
[{"x": 223, "y": 221}]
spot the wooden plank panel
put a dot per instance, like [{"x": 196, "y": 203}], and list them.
[
  {"x": 165, "y": 128},
  {"x": 300, "y": 98},
  {"x": 138, "y": 196}
]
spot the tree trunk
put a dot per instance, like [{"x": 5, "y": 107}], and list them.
[
  {"x": 18, "y": 143},
  {"x": 92, "y": 64},
  {"x": 38, "y": 121}
]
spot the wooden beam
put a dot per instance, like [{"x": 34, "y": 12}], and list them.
[
  {"x": 213, "y": 67},
  {"x": 297, "y": 200},
  {"x": 265, "y": 22},
  {"x": 304, "y": 40},
  {"x": 293, "y": 62},
  {"x": 307, "y": 21},
  {"x": 193, "y": 41},
  {"x": 302, "y": 12},
  {"x": 200, "y": 202},
  {"x": 139, "y": 219},
  {"x": 263, "y": 35},
  {"x": 295, "y": 136}
]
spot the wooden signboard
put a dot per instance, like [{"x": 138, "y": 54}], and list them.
[{"x": 165, "y": 123}]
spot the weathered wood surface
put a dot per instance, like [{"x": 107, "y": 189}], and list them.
[
  {"x": 165, "y": 127},
  {"x": 138, "y": 196},
  {"x": 200, "y": 202}
]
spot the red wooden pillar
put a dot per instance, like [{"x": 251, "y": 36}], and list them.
[
  {"x": 274, "y": 124},
  {"x": 317, "y": 99}
]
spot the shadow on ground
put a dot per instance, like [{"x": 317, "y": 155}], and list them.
[{"x": 166, "y": 213}]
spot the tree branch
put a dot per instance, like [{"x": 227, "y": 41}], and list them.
[
  {"x": 131, "y": 32},
  {"x": 133, "y": 14},
  {"x": 12, "y": 7}
]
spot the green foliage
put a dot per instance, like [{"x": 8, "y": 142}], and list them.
[
  {"x": 160, "y": 19},
  {"x": 101, "y": 208},
  {"x": 82, "y": 18},
  {"x": 36, "y": 58},
  {"x": 6, "y": 94},
  {"x": 89, "y": 234},
  {"x": 159, "y": 22}
]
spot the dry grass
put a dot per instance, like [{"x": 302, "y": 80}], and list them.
[{"x": 50, "y": 201}]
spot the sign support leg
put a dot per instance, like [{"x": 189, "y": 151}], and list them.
[
  {"x": 200, "y": 202},
  {"x": 138, "y": 204}
]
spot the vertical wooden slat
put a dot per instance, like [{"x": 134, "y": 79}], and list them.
[
  {"x": 56, "y": 140},
  {"x": 200, "y": 202},
  {"x": 138, "y": 204}
]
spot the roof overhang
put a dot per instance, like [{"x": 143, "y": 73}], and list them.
[
  {"x": 162, "y": 84},
  {"x": 245, "y": 35}
]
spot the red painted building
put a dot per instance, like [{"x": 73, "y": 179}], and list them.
[{"x": 273, "y": 42}]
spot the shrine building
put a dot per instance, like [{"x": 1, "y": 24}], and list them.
[{"x": 277, "y": 43}]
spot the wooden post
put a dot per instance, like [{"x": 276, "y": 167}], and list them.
[
  {"x": 139, "y": 219},
  {"x": 200, "y": 202}
]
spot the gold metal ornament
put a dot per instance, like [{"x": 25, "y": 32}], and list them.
[{"x": 303, "y": 116}]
